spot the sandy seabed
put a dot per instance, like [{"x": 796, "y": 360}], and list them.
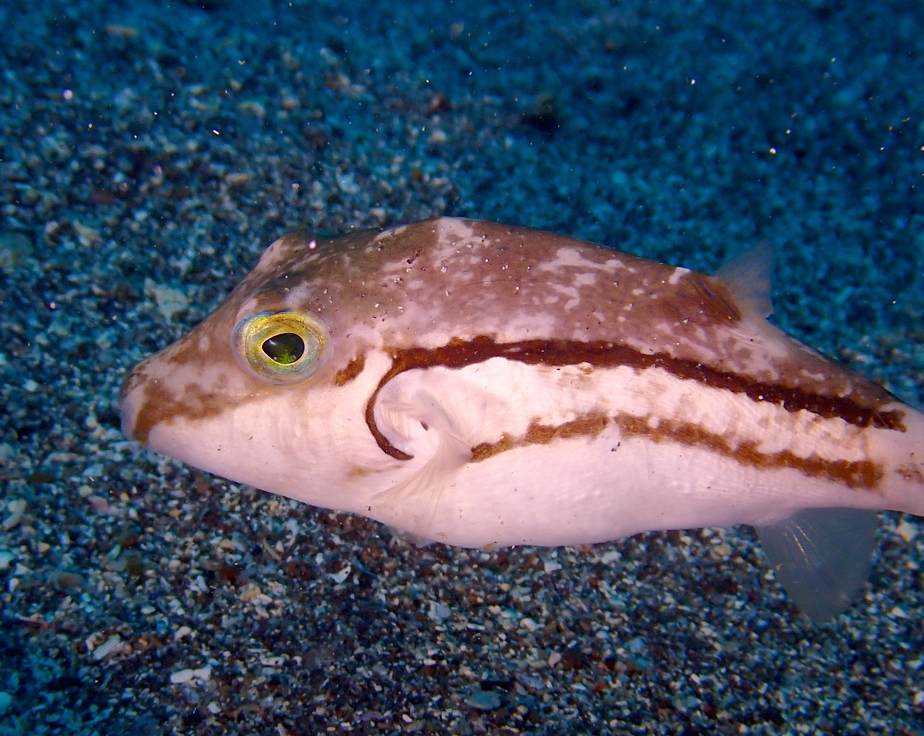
[{"x": 150, "y": 151}]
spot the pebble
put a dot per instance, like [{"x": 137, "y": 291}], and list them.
[
  {"x": 169, "y": 301},
  {"x": 111, "y": 646},
  {"x": 184, "y": 676},
  {"x": 341, "y": 576},
  {"x": 906, "y": 530},
  {"x": 17, "y": 508},
  {"x": 484, "y": 700},
  {"x": 439, "y": 611},
  {"x": 637, "y": 645}
]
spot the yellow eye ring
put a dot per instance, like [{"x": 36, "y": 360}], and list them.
[{"x": 282, "y": 347}]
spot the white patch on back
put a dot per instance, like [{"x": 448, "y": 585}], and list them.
[{"x": 572, "y": 258}]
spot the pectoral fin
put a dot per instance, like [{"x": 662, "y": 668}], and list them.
[
  {"x": 822, "y": 557},
  {"x": 418, "y": 497}
]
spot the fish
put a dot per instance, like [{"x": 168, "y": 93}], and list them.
[{"x": 485, "y": 385}]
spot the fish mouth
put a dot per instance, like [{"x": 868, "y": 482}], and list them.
[{"x": 134, "y": 396}]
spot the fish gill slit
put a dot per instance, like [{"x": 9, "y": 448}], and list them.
[{"x": 458, "y": 353}]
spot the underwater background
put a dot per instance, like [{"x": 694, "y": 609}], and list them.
[{"x": 149, "y": 152}]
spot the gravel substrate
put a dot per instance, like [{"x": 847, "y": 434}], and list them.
[{"x": 150, "y": 151}]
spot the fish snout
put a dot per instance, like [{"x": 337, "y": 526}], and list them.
[
  {"x": 128, "y": 408},
  {"x": 131, "y": 398}
]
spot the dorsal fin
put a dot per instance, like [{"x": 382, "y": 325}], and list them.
[{"x": 748, "y": 275}]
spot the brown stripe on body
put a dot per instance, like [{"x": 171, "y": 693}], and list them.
[
  {"x": 601, "y": 354},
  {"x": 861, "y": 474},
  {"x": 589, "y": 425},
  {"x": 857, "y": 474}
]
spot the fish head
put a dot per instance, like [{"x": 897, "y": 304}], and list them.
[{"x": 271, "y": 388}]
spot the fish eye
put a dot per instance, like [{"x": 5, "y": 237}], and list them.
[{"x": 282, "y": 347}]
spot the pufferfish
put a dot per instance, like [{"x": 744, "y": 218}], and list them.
[{"x": 483, "y": 385}]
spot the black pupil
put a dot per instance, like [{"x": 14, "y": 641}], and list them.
[{"x": 284, "y": 348}]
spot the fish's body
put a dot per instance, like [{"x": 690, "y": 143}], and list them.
[{"x": 485, "y": 385}]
